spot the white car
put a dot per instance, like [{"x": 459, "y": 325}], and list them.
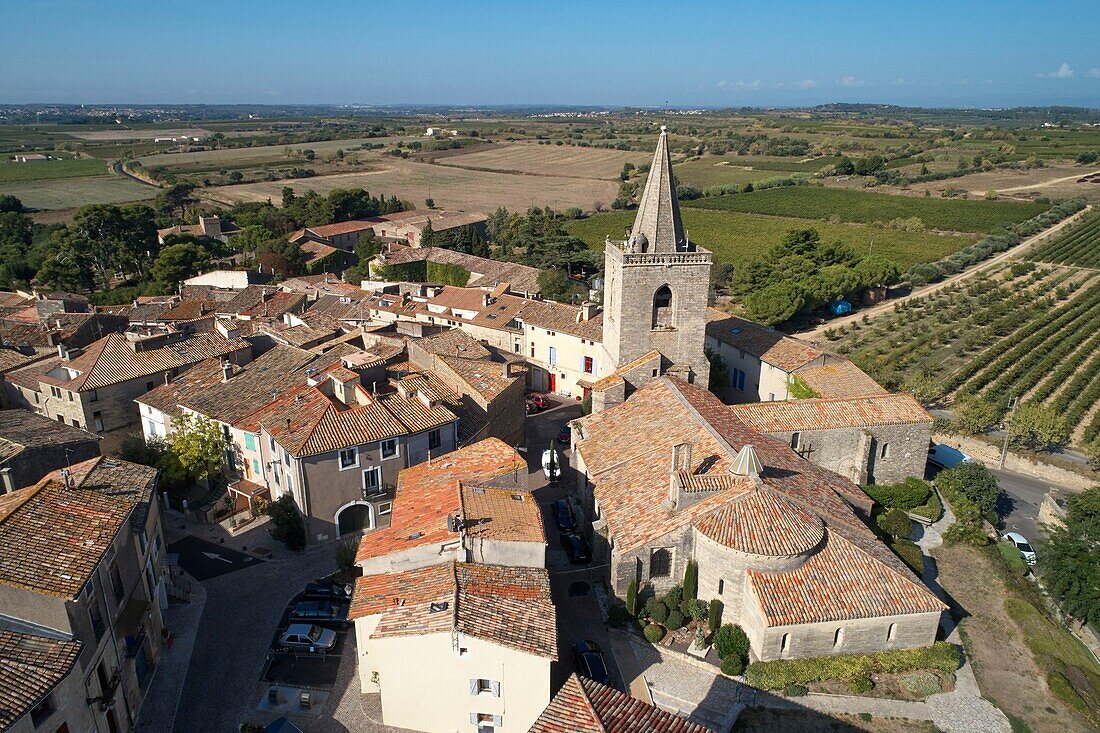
[
  {"x": 1027, "y": 552},
  {"x": 551, "y": 464}
]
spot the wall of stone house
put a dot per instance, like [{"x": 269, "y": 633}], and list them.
[
  {"x": 506, "y": 552},
  {"x": 47, "y": 611},
  {"x": 843, "y": 450},
  {"x": 859, "y": 636},
  {"x": 908, "y": 453},
  {"x": 34, "y": 463},
  {"x": 636, "y": 563}
]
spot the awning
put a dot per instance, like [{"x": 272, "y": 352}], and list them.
[
  {"x": 129, "y": 621},
  {"x": 584, "y": 383},
  {"x": 244, "y": 487}
]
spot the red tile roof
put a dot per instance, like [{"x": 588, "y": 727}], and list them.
[
  {"x": 509, "y": 606},
  {"x": 30, "y": 667},
  {"x": 828, "y": 414},
  {"x": 840, "y": 379},
  {"x": 585, "y": 706},
  {"x": 763, "y": 522},
  {"x": 767, "y": 344}
]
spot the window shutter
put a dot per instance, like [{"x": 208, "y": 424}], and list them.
[
  {"x": 473, "y": 688},
  {"x": 582, "y": 363},
  {"x": 473, "y": 718},
  {"x": 496, "y": 689},
  {"x": 497, "y": 721}
]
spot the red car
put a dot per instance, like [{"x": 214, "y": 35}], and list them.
[{"x": 539, "y": 401}]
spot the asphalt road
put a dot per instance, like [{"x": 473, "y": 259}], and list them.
[
  {"x": 204, "y": 560},
  {"x": 1025, "y": 493}
]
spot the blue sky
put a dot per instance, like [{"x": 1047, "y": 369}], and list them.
[{"x": 734, "y": 53}]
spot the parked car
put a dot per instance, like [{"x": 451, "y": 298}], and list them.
[
  {"x": 563, "y": 515},
  {"x": 576, "y": 547},
  {"x": 947, "y": 457},
  {"x": 564, "y": 435},
  {"x": 588, "y": 659},
  {"x": 538, "y": 401},
  {"x": 322, "y": 591},
  {"x": 1027, "y": 552},
  {"x": 551, "y": 464},
  {"x": 322, "y": 613},
  {"x": 307, "y": 638}
]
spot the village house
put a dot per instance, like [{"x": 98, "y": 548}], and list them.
[
  {"x": 408, "y": 227},
  {"x": 32, "y": 445},
  {"x": 586, "y": 706},
  {"x": 104, "y": 591},
  {"x": 458, "y": 577},
  {"x": 522, "y": 280},
  {"x": 94, "y": 389},
  {"x": 42, "y": 685},
  {"x": 777, "y": 539},
  {"x": 210, "y": 227}
]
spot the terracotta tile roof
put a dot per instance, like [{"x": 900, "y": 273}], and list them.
[
  {"x": 441, "y": 220},
  {"x": 509, "y": 606},
  {"x": 769, "y": 345},
  {"x": 30, "y": 667},
  {"x": 585, "y": 706},
  {"x": 22, "y": 429},
  {"x": 837, "y": 584},
  {"x": 629, "y": 468},
  {"x": 188, "y": 310},
  {"x": 428, "y": 492},
  {"x": 55, "y": 535},
  {"x": 112, "y": 359},
  {"x": 454, "y": 342},
  {"x": 763, "y": 522},
  {"x": 507, "y": 515},
  {"x": 483, "y": 272},
  {"x": 14, "y": 359},
  {"x": 481, "y": 376},
  {"x": 298, "y": 335},
  {"x": 561, "y": 317},
  {"x": 323, "y": 283},
  {"x": 820, "y": 414},
  {"x": 412, "y": 380},
  {"x": 840, "y": 379},
  {"x": 314, "y": 250},
  {"x": 617, "y": 376},
  {"x": 332, "y": 230}
]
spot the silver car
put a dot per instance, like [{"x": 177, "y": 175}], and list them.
[{"x": 307, "y": 638}]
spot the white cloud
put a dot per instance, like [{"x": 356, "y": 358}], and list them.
[
  {"x": 1064, "y": 72},
  {"x": 899, "y": 82},
  {"x": 850, "y": 81},
  {"x": 722, "y": 84},
  {"x": 1093, "y": 73},
  {"x": 806, "y": 84},
  {"x": 751, "y": 86}
]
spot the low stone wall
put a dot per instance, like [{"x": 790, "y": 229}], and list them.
[{"x": 991, "y": 456}]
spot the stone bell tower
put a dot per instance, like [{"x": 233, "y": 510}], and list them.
[{"x": 656, "y": 284}]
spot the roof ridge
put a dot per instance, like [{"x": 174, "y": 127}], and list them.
[
  {"x": 912, "y": 579},
  {"x": 588, "y": 699},
  {"x": 721, "y": 440}
]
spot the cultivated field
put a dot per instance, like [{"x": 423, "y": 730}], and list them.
[
  {"x": 142, "y": 134},
  {"x": 1079, "y": 245},
  {"x": 1055, "y": 181},
  {"x": 734, "y": 237},
  {"x": 815, "y": 202},
  {"x": 51, "y": 169},
  {"x": 67, "y": 193},
  {"x": 549, "y": 160},
  {"x": 450, "y": 187},
  {"x": 229, "y": 157}
]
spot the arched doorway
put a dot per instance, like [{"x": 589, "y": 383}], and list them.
[{"x": 354, "y": 517}]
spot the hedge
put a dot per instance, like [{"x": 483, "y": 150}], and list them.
[
  {"x": 1012, "y": 558},
  {"x": 778, "y": 674},
  {"x": 896, "y": 523},
  {"x": 931, "y": 510},
  {"x": 653, "y": 633},
  {"x": 910, "y": 554},
  {"x": 908, "y": 495}
]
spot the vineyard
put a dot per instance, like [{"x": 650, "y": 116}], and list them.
[
  {"x": 1079, "y": 246},
  {"x": 1027, "y": 331}
]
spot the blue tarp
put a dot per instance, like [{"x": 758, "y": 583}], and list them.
[{"x": 840, "y": 307}]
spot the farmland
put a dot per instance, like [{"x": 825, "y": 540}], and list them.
[
  {"x": 229, "y": 157},
  {"x": 67, "y": 193},
  {"x": 51, "y": 169},
  {"x": 734, "y": 237},
  {"x": 814, "y": 202},
  {"x": 549, "y": 160},
  {"x": 1079, "y": 246}
]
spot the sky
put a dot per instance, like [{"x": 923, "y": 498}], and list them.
[{"x": 685, "y": 53}]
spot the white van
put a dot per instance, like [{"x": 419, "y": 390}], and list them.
[{"x": 947, "y": 457}]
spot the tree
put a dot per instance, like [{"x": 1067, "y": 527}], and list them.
[
  {"x": 556, "y": 285},
  {"x": 975, "y": 482},
  {"x": 199, "y": 445},
  {"x": 775, "y": 303},
  {"x": 974, "y": 415},
  {"x": 691, "y": 580},
  {"x": 1069, "y": 561},
  {"x": 427, "y": 235},
  {"x": 719, "y": 372},
  {"x": 178, "y": 262},
  {"x": 69, "y": 267},
  {"x": 875, "y": 270},
  {"x": 10, "y": 203},
  {"x": 286, "y": 522},
  {"x": 1038, "y": 426},
  {"x": 175, "y": 199}
]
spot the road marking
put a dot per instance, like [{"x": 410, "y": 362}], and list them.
[{"x": 216, "y": 556}]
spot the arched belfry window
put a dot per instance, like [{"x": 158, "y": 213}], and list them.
[{"x": 662, "y": 307}]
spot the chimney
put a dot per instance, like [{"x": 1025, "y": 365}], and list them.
[
  {"x": 747, "y": 463},
  {"x": 506, "y": 372},
  {"x": 61, "y": 351},
  {"x": 486, "y": 300},
  {"x": 168, "y": 377},
  {"x": 681, "y": 461},
  {"x": 227, "y": 370},
  {"x": 588, "y": 311}
]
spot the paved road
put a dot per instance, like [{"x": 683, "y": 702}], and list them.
[
  {"x": 204, "y": 560},
  {"x": 1025, "y": 494}
]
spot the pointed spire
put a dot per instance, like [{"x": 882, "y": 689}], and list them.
[
  {"x": 746, "y": 463},
  {"x": 658, "y": 218}
]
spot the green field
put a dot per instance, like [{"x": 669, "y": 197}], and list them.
[
  {"x": 42, "y": 170},
  {"x": 735, "y": 237},
  {"x": 71, "y": 192},
  {"x": 705, "y": 172},
  {"x": 1079, "y": 245},
  {"x": 813, "y": 202}
]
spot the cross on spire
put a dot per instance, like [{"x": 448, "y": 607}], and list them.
[{"x": 658, "y": 218}]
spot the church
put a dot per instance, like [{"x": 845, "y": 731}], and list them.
[{"x": 670, "y": 474}]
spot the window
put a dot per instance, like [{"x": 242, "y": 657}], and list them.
[
  {"x": 372, "y": 481},
  {"x": 256, "y": 466},
  {"x": 70, "y": 395},
  {"x": 737, "y": 379},
  {"x": 662, "y": 307},
  {"x": 60, "y": 418},
  {"x": 552, "y": 356},
  {"x": 42, "y": 710},
  {"x": 435, "y": 439},
  {"x": 97, "y": 420},
  {"x": 771, "y": 396},
  {"x": 838, "y": 637},
  {"x": 274, "y": 450},
  {"x": 95, "y": 617},
  {"x": 516, "y": 347},
  {"x": 249, "y": 441},
  {"x": 76, "y": 423},
  {"x": 349, "y": 458},
  {"x": 885, "y": 452},
  {"x": 589, "y": 365},
  {"x": 785, "y": 644},
  {"x": 385, "y": 507},
  {"x": 485, "y": 687},
  {"x": 721, "y": 585},
  {"x": 532, "y": 351},
  {"x": 486, "y": 722},
  {"x": 892, "y": 632},
  {"x": 149, "y": 386},
  {"x": 116, "y": 583},
  {"x": 388, "y": 448},
  {"x": 796, "y": 440},
  {"x": 660, "y": 563},
  {"x": 742, "y": 355},
  {"x": 93, "y": 396}
]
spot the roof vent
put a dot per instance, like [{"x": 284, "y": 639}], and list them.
[
  {"x": 416, "y": 535},
  {"x": 747, "y": 463},
  {"x": 438, "y": 607}
]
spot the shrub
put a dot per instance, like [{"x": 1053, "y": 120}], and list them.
[
  {"x": 865, "y": 717},
  {"x": 345, "y": 553},
  {"x": 733, "y": 666},
  {"x": 653, "y": 633},
  {"x": 932, "y": 509},
  {"x": 796, "y": 690},
  {"x": 617, "y": 616},
  {"x": 714, "y": 614},
  {"x": 691, "y": 580},
  {"x": 731, "y": 641},
  {"x": 922, "y": 683},
  {"x": 286, "y": 523},
  {"x": 776, "y": 675},
  {"x": 976, "y": 483},
  {"x": 896, "y": 523},
  {"x": 1012, "y": 558},
  {"x": 909, "y": 494},
  {"x": 674, "y": 596},
  {"x": 632, "y": 598},
  {"x": 910, "y": 554},
  {"x": 861, "y": 683},
  {"x": 697, "y": 610},
  {"x": 656, "y": 609},
  {"x": 675, "y": 620}
]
